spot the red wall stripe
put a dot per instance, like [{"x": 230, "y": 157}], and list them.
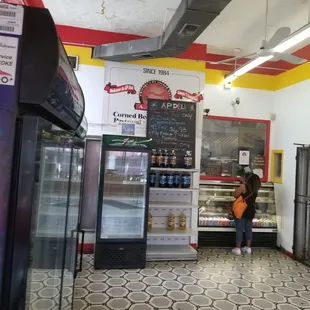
[
  {"x": 37, "y": 3},
  {"x": 90, "y": 37}
]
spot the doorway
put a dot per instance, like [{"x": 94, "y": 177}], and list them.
[{"x": 302, "y": 206}]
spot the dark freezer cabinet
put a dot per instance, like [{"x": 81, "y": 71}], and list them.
[{"x": 122, "y": 208}]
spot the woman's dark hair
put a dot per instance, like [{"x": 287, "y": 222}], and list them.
[{"x": 253, "y": 182}]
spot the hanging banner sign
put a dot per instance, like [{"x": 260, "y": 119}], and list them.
[
  {"x": 128, "y": 88},
  {"x": 11, "y": 19}
]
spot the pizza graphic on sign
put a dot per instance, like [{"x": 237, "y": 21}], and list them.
[{"x": 153, "y": 89}]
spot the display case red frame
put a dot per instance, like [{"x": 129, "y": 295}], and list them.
[{"x": 267, "y": 146}]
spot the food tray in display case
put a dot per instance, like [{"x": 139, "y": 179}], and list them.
[{"x": 216, "y": 198}]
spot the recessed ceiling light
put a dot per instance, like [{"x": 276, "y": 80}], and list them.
[{"x": 237, "y": 49}]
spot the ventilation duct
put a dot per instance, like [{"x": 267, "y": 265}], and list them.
[{"x": 191, "y": 18}]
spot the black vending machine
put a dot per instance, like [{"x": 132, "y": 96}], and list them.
[
  {"x": 123, "y": 203},
  {"x": 46, "y": 173}
]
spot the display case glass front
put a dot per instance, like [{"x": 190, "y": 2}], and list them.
[
  {"x": 124, "y": 194},
  {"x": 216, "y": 198}
]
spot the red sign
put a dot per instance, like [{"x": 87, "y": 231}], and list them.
[
  {"x": 180, "y": 94},
  {"x": 114, "y": 89}
]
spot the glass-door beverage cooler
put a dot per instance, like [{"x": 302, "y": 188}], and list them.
[
  {"x": 122, "y": 206},
  {"x": 42, "y": 187}
]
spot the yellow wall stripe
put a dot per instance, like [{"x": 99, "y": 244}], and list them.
[
  {"x": 293, "y": 76},
  {"x": 84, "y": 54},
  {"x": 249, "y": 80},
  {"x": 213, "y": 77}
]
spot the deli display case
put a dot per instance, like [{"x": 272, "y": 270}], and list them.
[
  {"x": 215, "y": 201},
  {"x": 122, "y": 207}
]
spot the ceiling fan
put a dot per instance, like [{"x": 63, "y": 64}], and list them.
[{"x": 268, "y": 48}]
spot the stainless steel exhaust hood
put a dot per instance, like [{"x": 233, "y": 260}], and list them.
[{"x": 191, "y": 18}]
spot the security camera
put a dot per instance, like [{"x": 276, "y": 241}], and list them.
[
  {"x": 236, "y": 101},
  {"x": 206, "y": 112}
]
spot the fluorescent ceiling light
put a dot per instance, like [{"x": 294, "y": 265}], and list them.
[
  {"x": 245, "y": 68},
  {"x": 295, "y": 38}
]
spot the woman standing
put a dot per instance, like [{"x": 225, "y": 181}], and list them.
[{"x": 248, "y": 190}]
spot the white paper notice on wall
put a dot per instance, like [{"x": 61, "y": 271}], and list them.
[
  {"x": 11, "y": 19},
  {"x": 8, "y": 60},
  {"x": 244, "y": 158}
]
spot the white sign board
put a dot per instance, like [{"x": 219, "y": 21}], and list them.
[
  {"x": 128, "y": 87},
  {"x": 244, "y": 158},
  {"x": 8, "y": 60},
  {"x": 11, "y": 19}
]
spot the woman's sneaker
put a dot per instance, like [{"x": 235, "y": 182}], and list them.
[
  {"x": 246, "y": 250},
  {"x": 236, "y": 251}
]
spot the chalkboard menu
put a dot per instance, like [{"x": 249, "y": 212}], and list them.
[{"x": 172, "y": 125}]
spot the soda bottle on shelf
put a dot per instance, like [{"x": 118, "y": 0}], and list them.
[
  {"x": 163, "y": 180},
  {"x": 188, "y": 160},
  {"x": 154, "y": 158},
  {"x": 150, "y": 222},
  {"x": 165, "y": 159},
  {"x": 183, "y": 180},
  {"x": 171, "y": 222},
  {"x": 169, "y": 180},
  {"x": 176, "y": 180},
  {"x": 172, "y": 159},
  {"x": 188, "y": 180},
  {"x": 160, "y": 158},
  {"x": 182, "y": 225},
  {"x": 152, "y": 179}
]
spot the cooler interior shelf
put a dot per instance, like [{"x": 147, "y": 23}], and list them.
[
  {"x": 170, "y": 252},
  {"x": 175, "y": 169},
  {"x": 175, "y": 205},
  {"x": 178, "y": 189},
  {"x": 172, "y": 233}
]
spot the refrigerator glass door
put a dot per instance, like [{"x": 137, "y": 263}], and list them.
[
  {"x": 71, "y": 230},
  {"x": 124, "y": 195},
  {"x": 48, "y": 228}
]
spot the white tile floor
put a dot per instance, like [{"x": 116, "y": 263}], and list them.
[{"x": 218, "y": 280}]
